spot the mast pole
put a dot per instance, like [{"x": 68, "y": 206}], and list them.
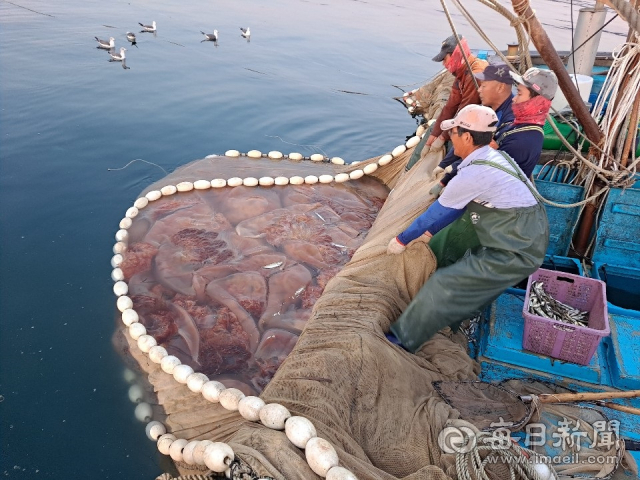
[{"x": 551, "y": 58}]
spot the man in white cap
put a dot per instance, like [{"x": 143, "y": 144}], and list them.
[{"x": 510, "y": 223}]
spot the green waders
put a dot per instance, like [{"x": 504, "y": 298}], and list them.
[{"x": 512, "y": 245}]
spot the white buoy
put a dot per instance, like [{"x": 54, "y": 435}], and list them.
[
  {"x": 168, "y": 190},
  {"x": 211, "y": 390},
  {"x": 124, "y": 303},
  {"x": 296, "y": 180},
  {"x": 141, "y": 202},
  {"x": 155, "y": 430},
  {"x": 119, "y": 247},
  {"x": 275, "y": 155},
  {"x": 385, "y": 159},
  {"x": 218, "y": 183},
  {"x": 198, "y": 451},
  {"x": 130, "y": 316},
  {"x": 321, "y": 456},
  {"x": 202, "y": 184},
  {"x": 337, "y": 161},
  {"x": 129, "y": 375},
  {"x": 325, "y": 178},
  {"x": 184, "y": 186},
  {"x": 250, "y": 182},
  {"x": 299, "y": 431},
  {"x": 281, "y": 181},
  {"x": 195, "y": 381},
  {"x": 181, "y": 373},
  {"x": 356, "y": 174},
  {"x": 411, "y": 109},
  {"x": 341, "y": 177},
  {"x": 132, "y": 212},
  {"x": 249, "y": 408},
  {"x": 232, "y": 153},
  {"x": 120, "y": 288},
  {"x": 168, "y": 363},
  {"x": 230, "y": 397},
  {"x": 125, "y": 223},
  {"x": 543, "y": 471},
  {"x": 412, "y": 142},
  {"x": 218, "y": 456},
  {"x": 295, "y": 156},
  {"x": 266, "y": 181},
  {"x": 187, "y": 452},
  {"x": 157, "y": 353},
  {"x": 310, "y": 179},
  {"x": 254, "y": 154},
  {"x": 420, "y": 130},
  {"x": 316, "y": 157},
  {"x": 143, "y": 412},
  {"x": 164, "y": 443},
  {"x": 234, "y": 182},
  {"x": 369, "y": 169},
  {"x": 117, "y": 275},
  {"x": 273, "y": 415},
  {"x": 153, "y": 195},
  {"x": 175, "y": 450},
  {"x": 145, "y": 342},
  {"x": 340, "y": 473},
  {"x": 399, "y": 150},
  {"x": 356, "y": 162},
  {"x": 116, "y": 260},
  {"x": 122, "y": 235},
  {"x": 136, "y": 330},
  {"x": 136, "y": 393}
]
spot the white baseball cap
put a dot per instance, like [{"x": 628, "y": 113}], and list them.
[{"x": 476, "y": 118}]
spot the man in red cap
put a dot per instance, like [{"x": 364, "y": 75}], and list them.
[{"x": 510, "y": 223}]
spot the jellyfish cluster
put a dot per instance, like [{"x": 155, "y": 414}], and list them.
[{"x": 225, "y": 279}]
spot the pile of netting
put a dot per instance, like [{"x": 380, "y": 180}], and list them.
[{"x": 229, "y": 279}]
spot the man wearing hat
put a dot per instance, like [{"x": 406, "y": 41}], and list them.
[
  {"x": 452, "y": 55},
  {"x": 511, "y": 226}
]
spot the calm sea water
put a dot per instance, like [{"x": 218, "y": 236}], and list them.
[{"x": 67, "y": 116}]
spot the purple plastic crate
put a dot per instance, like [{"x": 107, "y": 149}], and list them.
[{"x": 560, "y": 340}]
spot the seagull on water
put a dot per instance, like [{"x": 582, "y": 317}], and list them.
[
  {"x": 106, "y": 45},
  {"x": 211, "y": 37},
  {"x": 118, "y": 58},
  {"x": 246, "y": 32},
  {"x": 131, "y": 37},
  {"x": 148, "y": 28}
]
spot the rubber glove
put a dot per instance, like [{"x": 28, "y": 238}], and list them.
[
  {"x": 449, "y": 169},
  {"x": 395, "y": 247},
  {"x": 436, "y": 190},
  {"x": 437, "y": 143},
  {"x": 437, "y": 171}
]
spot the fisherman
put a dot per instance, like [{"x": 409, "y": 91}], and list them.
[
  {"x": 510, "y": 223},
  {"x": 464, "y": 91},
  {"x": 519, "y": 133},
  {"x": 520, "y": 120}
]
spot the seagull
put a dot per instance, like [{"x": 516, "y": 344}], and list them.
[
  {"x": 106, "y": 45},
  {"x": 246, "y": 32},
  {"x": 211, "y": 37},
  {"x": 148, "y": 28},
  {"x": 131, "y": 37},
  {"x": 118, "y": 58}
]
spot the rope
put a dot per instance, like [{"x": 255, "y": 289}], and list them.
[
  {"x": 628, "y": 13},
  {"x": 455, "y": 35}
]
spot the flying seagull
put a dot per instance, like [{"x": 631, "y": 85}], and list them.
[
  {"x": 106, "y": 45},
  {"x": 246, "y": 32},
  {"x": 148, "y": 28},
  {"x": 118, "y": 58},
  {"x": 211, "y": 37}
]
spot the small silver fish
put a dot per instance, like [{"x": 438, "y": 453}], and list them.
[
  {"x": 298, "y": 292},
  {"x": 273, "y": 265},
  {"x": 338, "y": 245},
  {"x": 320, "y": 216}
]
